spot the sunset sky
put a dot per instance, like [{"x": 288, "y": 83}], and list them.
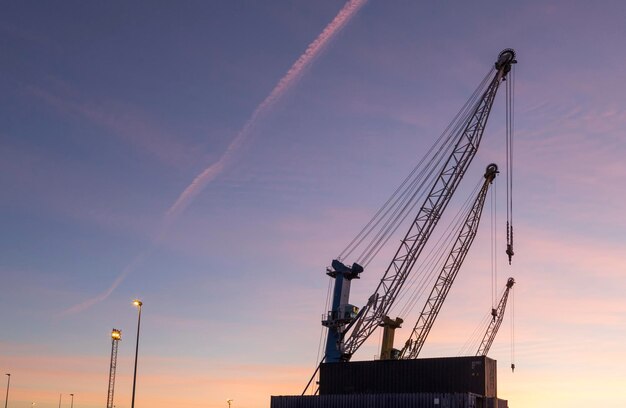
[{"x": 212, "y": 157}]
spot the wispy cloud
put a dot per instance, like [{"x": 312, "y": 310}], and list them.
[
  {"x": 42, "y": 183},
  {"x": 137, "y": 260},
  {"x": 126, "y": 122},
  {"x": 210, "y": 173},
  {"x": 286, "y": 82}
]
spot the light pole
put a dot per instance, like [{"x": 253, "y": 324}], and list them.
[
  {"x": 137, "y": 303},
  {"x": 6, "y": 401},
  {"x": 116, "y": 336},
  {"x": 72, "y": 406},
  {"x": 60, "y": 395},
  {"x": 229, "y": 401}
]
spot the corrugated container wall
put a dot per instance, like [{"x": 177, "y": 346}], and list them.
[
  {"x": 477, "y": 375},
  {"x": 423, "y": 400}
]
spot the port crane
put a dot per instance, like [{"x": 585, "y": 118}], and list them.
[
  {"x": 496, "y": 321},
  {"x": 348, "y": 327}
]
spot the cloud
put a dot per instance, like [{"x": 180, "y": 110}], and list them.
[
  {"x": 126, "y": 122},
  {"x": 210, "y": 173},
  {"x": 286, "y": 82},
  {"x": 136, "y": 262}
]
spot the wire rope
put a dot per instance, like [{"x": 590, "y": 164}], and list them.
[
  {"x": 472, "y": 340},
  {"x": 398, "y": 206},
  {"x": 434, "y": 260},
  {"x": 512, "y": 314},
  {"x": 322, "y": 339},
  {"x": 394, "y": 223}
]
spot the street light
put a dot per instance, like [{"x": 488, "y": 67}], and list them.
[
  {"x": 60, "y": 395},
  {"x": 137, "y": 303},
  {"x": 72, "y": 395},
  {"x": 6, "y": 401},
  {"x": 229, "y": 401}
]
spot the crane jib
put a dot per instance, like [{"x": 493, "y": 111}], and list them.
[
  {"x": 494, "y": 325},
  {"x": 448, "y": 273}
]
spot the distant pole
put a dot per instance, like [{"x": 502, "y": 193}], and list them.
[
  {"x": 229, "y": 401},
  {"x": 137, "y": 303},
  {"x": 72, "y": 395},
  {"x": 6, "y": 401},
  {"x": 60, "y": 400}
]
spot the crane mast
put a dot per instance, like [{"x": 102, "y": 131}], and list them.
[
  {"x": 345, "y": 337},
  {"x": 448, "y": 273},
  {"x": 494, "y": 325}
]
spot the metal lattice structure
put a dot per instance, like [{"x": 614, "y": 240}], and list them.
[
  {"x": 116, "y": 336},
  {"x": 494, "y": 325},
  {"x": 465, "y": 148},
  {"x": 448, "y": 273}
]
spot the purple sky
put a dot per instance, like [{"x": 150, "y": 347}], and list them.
[{"x": 109, "y": 111}]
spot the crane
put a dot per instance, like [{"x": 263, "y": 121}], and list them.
[
  {"x": 448, "y": 273},
  {"x": 494, "y": 325},
  {"x": 348, "y": 326}
]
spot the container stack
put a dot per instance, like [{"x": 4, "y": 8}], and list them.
[{"x": 459, "y": 382}]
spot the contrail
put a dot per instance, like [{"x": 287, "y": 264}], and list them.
[
  {"x": 137, "y": 260},
  {"x": 285, "y": 83},
  {"x": 210, "y": 173}
]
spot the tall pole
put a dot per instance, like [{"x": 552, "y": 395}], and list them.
[
  {"x": 116, "y": 336},
  {"x": 60, "y": 400},
  {"x": 137, "y": 303},
  {"x": 6, "y": 401},
  {"x": 72, "y": 406}
]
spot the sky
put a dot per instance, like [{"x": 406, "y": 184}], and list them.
[{"x": 212, "y": 158}]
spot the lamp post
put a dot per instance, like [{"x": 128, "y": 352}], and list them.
[
  {"x": 60, "y": 395},
  {"x": 137, "y": 303},
  {"x": 116, "y": 336},
  {"x": 72, "y": 395},
  {"x": 229, "y": 401},
  {"x": 6, "y": 401}
]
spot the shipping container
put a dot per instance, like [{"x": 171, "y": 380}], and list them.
[
  {"x": 477, "y": 375},
  {"x": 496, "y": 403},
  {"x": 422, "y": 400}
]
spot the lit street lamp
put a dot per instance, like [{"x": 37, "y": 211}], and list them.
[
  {"x": 72, "y": 395},
  {"x": 6, "y": 401},
  {"x": 229, "y": 401},
  {"x": 137, "y": 303}
]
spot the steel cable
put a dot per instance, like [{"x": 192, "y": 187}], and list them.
[{"x": 395, "y": 209}]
